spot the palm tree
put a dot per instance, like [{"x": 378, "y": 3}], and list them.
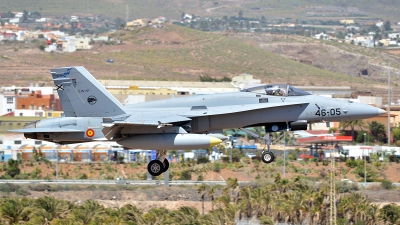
[
  {"x": 202, "y": 191},
  {"x": 90, "y": 212},
  {"x": 223, "y": 201},
  {"x": 155, "y": 216},
  {"x": 232, "y": 184},
  {"x": 15, "y": 210},
  {"x": 211, "y": 192},
  {"x": 390, "y": 213},
  {"x": 378, "y": 130},
  {"x": 48, "y": 208},
  {"x": 184, "y": 215},
  {"x": 372, "y": 213},
  {"x": 352, "y": 124},
  {"x": 130, "y": 213}
]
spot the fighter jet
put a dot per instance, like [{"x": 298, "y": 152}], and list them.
[{"x": 92, "y": 114}]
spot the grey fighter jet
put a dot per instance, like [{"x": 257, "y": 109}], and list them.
[{"x": 92, "y": 114}]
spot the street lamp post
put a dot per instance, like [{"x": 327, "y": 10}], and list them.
[
  {"x": 284, "y": 155},
  {"x": 389, "y": 100},
  {"x": 365, "y": 164}
]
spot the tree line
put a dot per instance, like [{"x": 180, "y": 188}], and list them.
[{"x": 295, "y": 201}]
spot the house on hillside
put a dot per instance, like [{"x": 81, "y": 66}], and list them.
[
  {"x": 137, "y": 23},
  {"x": 394, "y": 35},
  {"x": 99, "y": 38},
  {"x": 321, "y": 36},
  {"x": 14, "y": 20},
  {"x": 347, "y": 21},
  {"x": 9, "y": 36},
  {"x": 18, "y": 14},
  {"x": 82, "y": 43},
  {"x": 69, "y": 44}
]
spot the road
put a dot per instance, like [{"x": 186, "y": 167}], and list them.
[
  {"x": 113, "y": 182},
  {"x": 140, "y": 182}
]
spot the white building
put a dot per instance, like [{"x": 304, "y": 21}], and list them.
[
  {"x": 29, "y": 112},
  {"x": 82, "y": 43},
  {"x": 7, "y": 102},
  {"x": 100, "y": 38},
  {"x": 51, "y": 48},
  {"x": 41, "y": 20},
  {"x": 14, "y": 20},
  {"x": 69, "y": 44},
  {"x": 18, "y": 14}
]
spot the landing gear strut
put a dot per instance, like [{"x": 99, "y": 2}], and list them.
[
  {"x": 159, "y": 165},
  {"x": 267, "y": 156}
]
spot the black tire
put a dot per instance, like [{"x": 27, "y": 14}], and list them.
[
  {"x": 267, "y": 157},
  {"x": 166, "y": 165},
  {"x": 155, "y": 168}
]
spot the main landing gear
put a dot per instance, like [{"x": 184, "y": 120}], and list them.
[
  {"x": 159, "y": 165},
  {"x": 267, "y": 156}
]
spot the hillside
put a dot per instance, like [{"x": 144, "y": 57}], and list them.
[
  {"x": 385, "y": 9},
  {"x": 173, "y": 53}
]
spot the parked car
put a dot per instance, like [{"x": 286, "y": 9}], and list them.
[
  {"x": 120, "y": 180},
  {"x": 305, "y": 156},
  {"x": 347, "y": 181},
  {"x": 250, "y": 155}
]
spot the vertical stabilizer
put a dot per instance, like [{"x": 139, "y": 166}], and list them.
[{"x": 82, "y": 95}]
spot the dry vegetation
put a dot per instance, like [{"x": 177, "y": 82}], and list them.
[{"x": 178, "y": 53}]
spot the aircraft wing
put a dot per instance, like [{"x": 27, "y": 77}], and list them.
[
  {"x": 45, "y": 130},
  {"x": 231, "y": 109},
  {"x": 149, "y": 120},
  {"x": 152, "y": 120}
]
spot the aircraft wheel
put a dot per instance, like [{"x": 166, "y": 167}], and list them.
[
  {"x": 267, "y": 157},
  {"x": 155, "y": 168},
  {"x": 166, "y": 165}
]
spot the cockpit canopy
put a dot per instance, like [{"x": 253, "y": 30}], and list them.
[{"x": 277, "y": 90}]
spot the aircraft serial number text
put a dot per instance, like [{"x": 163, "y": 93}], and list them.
[{"x": 325, "y": 112}]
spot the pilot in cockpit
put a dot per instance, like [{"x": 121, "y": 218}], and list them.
[{"x": 275, "y": 90}]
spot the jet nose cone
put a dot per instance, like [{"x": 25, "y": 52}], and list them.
[{"x": 381, "y": 111}]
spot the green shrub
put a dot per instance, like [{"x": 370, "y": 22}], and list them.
[
  {"x": 83, "y": 176},
  {"x": 8, "y": 187},
  {"x": 202, "y": 160},
  {"x": 22, "y": 176},
  {"x": 246, "y": 160},
  {"x": 351, "y": 163},
  {"x": 315, "y": 159},
  {"x": 186, "y": 175},
  {"x": 345, "y": 187},
  {"x": 393, "y": 158},
  {"x": 387, "y": 184},
  {"x": 225, "y": 159},
  {"x": 217, "y": 167},
  {"x": 22, "y": 192}
]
